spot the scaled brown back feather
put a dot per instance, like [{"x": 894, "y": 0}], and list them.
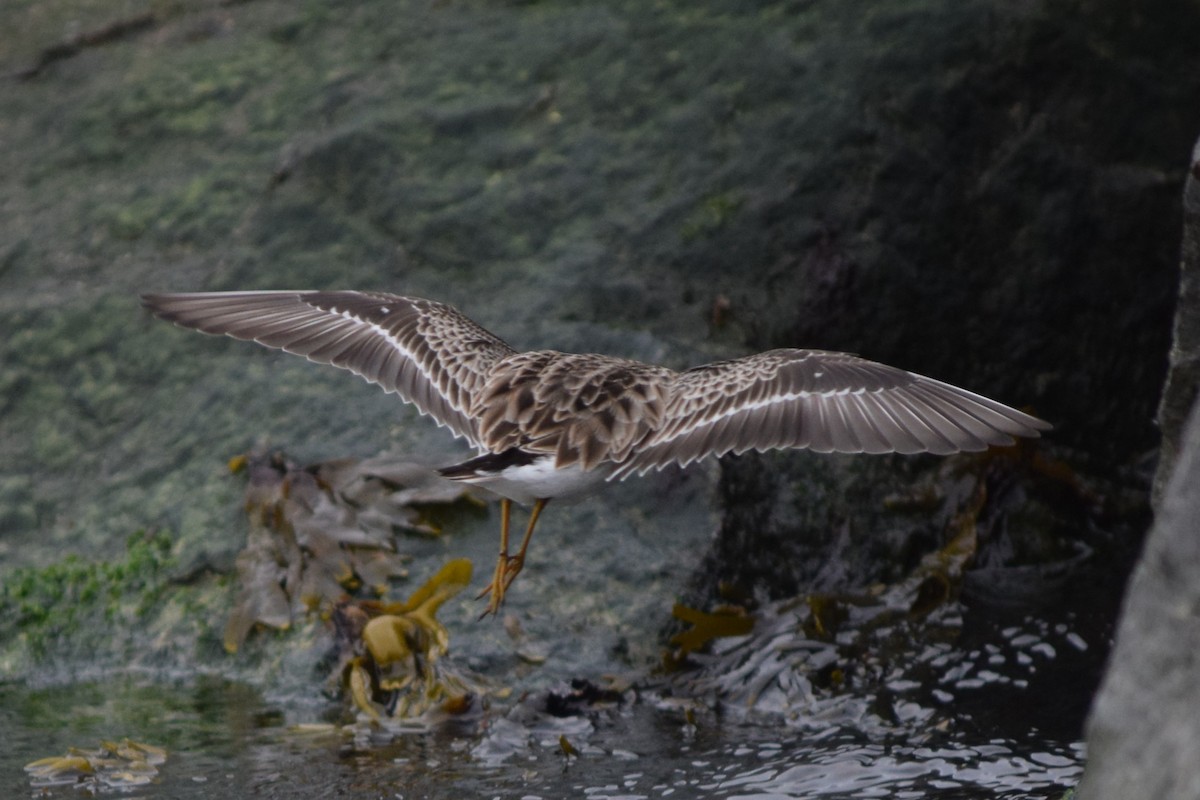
[{"x": 582, "y": 408}]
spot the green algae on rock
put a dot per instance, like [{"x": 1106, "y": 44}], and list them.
[{"x": 67, "y": 605}]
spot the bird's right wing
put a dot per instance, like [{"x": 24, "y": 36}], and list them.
[
  {"x": 426, "y": 352},
  {"x": 828, "y": 402}
]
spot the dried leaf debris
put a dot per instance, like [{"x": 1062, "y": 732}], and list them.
[{"x": 322, "y": 532}]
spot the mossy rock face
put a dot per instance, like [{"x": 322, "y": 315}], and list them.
[
  {"x": 959, "y": 188},
  {"x": 78, "y": 610}
]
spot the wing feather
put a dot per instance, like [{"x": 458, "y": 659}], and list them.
[
  {"x": 426, "y": 352},
  {"x": 828, "y": 402},
  {"x": 896, "y": 437}
]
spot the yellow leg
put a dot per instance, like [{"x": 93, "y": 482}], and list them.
[
  {"x": 518, "y": 561},
  {"x": 507, "y": 567},
  {"x": 498, "y": 575}
]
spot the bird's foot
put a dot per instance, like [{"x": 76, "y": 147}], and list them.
[{"x": 507, "y": 568}]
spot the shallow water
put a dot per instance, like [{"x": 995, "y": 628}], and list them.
[{"x": 224, "y": 740}]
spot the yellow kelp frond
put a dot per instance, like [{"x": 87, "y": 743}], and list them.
[
  {"x": 114, "y": 765},
  {"x": 706, "y": 626},
  {"x": 392, "y": 665}
]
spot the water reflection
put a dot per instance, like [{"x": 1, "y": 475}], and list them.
[
  {"x": 851, "y": 770},
  {"x": 223, "y": 740}
]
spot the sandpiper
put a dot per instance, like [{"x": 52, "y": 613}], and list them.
[{"x": 551, "y": 425}]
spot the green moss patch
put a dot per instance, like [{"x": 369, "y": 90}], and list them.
[{"x": 76, "y": 605}]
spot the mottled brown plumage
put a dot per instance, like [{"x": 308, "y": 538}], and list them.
[
  {"x": 559, "y": 424},
  {"x": 582, "y": 409}
]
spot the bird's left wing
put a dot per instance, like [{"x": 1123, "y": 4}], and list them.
[
  {"x": 828, "y": 402},
  {"x": 427, "y": 352}
]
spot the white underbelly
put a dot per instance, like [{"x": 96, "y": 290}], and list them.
[{"x": 541, "y": 481}]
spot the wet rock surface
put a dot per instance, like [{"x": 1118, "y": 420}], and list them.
[
  {"x": 1141, "y": 734},
  {"x": 1183, "y": 378}
]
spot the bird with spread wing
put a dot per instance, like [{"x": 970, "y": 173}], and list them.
[{"x": 551, "y": 425}]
